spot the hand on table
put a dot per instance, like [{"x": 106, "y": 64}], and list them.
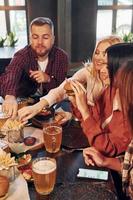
[
  {"x": 10, "y": 106},
  {"x": 39, "y": 76},
  {"x": 93, "y": 157}
]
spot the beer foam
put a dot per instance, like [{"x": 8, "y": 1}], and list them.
[{"x": 44, "y": 166}]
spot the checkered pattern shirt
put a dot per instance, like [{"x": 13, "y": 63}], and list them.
[
  {"x": 16, "y": 80},
  {"x": 127, "y": 171}
]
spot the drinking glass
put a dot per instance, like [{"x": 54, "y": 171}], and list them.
[
  {"x": 52, "y": 138},
  {"x": 44, "y": 174}
]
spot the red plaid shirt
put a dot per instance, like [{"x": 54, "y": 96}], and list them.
[{"x": 16, "y": 80}]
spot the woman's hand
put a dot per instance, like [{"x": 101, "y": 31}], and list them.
[
  {"x": 80, "y": 98},
  {"x": 93, "y": 157},
  {"x": 28, "y": 112}
]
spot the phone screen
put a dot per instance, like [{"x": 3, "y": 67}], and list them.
[{"x": 93, "y": 174}]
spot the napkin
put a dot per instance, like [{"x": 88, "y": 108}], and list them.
[
  {"x": 18, "y": 147},
  {"x": 18, "y": 189}
]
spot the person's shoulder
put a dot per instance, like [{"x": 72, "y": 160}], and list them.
[
  {"x": 58, "y": 50},
  {"x": 24, "y": 50}
]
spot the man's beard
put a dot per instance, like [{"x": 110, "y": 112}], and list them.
[{"x": 42, "y": 53}]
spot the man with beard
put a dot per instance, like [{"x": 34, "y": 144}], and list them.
[{"x": 36, "y": 68}]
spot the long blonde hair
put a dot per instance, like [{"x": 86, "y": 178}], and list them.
[
  {"x": 113, "y": 39},
  {"x": 97, "y": 85}
]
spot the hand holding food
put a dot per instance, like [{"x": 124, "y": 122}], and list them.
[
  {"x": 81, "y": 98},
  {"x": 68, "y": 89}
]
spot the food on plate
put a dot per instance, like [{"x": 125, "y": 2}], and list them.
[
  {"x": 68, "y": 89},
  {"x": 29, "y": 141},
  {"x": 27, "y": 174},
  {"x": 59, "y": 116},
  {"x": 6, "y": 161},
  {"x": 4, "y": 186},
  {"x": 3, "y": 119},
  {"x": 45, "y": 112},
  {"x": 23, "y": 160},
  {"x": 26, "y": 171},
  {"x": 14, "y": 130},
  {"x": 11, "y": 124}
]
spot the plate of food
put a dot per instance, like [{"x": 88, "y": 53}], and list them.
[
  {"x": 23, "y": 159},
  {"x": 45, "y": 114},
  {"x": 60, "y": 118},
  {"x": 26, "y": 171}
]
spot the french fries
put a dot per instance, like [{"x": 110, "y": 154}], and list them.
[
  {"x": 6, "y": 161},
  {"x": 12, "y": 125}
]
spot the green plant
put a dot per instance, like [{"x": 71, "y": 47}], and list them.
[
  {"x": 128, "y": 37},
  {"x": 11, "y": 39},
  {"x": 2, "y": 40}
]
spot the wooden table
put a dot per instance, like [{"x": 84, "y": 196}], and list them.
[{"x": 67, "y": 184}]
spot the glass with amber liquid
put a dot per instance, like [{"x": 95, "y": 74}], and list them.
[
  {"x": 52, "y": 138},
  {"x": 44, "y": 174}
]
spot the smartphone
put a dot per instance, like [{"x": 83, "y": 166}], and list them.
[{"x": 93, "y": 174}]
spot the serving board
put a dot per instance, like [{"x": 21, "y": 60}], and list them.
[{"x": 29, "y": 131}]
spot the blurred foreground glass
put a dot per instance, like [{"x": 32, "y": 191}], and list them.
[
  {"x": 9, "y": 173},
  {"x": 52, "y": 138},
  {"x": 44, "y": 174}
]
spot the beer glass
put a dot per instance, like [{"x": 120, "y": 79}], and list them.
[
  {"x": 52, "y": 138},
  {"x": 44, "y": 174}
]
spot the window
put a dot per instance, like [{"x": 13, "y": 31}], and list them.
[
  {"x": 13, "y": 19},
  {"x": 114, "y": 16}
]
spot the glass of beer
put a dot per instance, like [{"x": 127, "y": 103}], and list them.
[
  {"x": 44, "y": 174},
  {"x": 52, "y": 138}
]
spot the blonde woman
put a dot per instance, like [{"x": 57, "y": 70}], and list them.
[{"x": 88, "y": 75}]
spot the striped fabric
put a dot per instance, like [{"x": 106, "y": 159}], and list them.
[
  {"x": 127, "y": 171},
  {"x": 16, "y": 80}
]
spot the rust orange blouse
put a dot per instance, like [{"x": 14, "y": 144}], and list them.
[{"x": 114, "y": 138}]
